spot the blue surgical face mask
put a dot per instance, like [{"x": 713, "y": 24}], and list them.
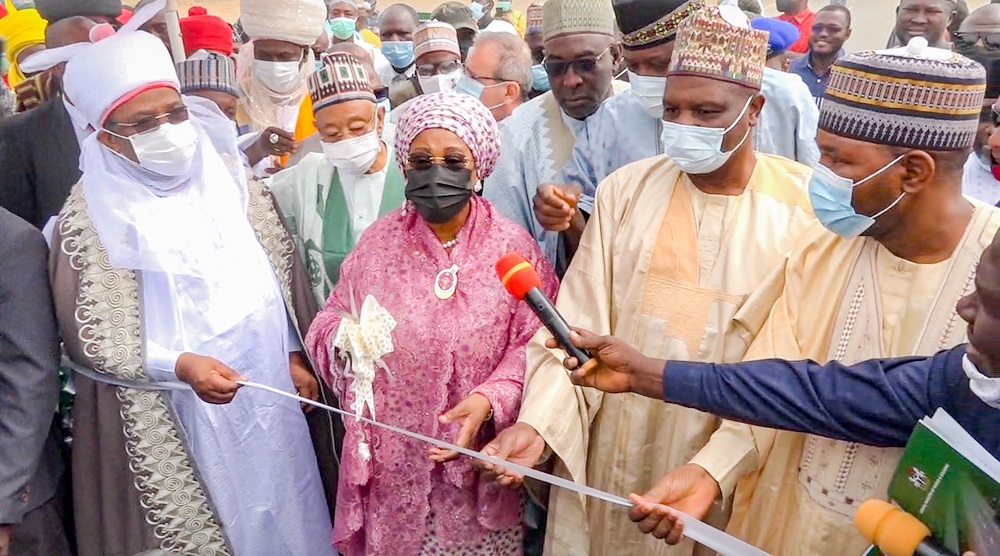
[
  {"x": 478, "y": 10},
  {"x": 698, "y": 150},
  {"x": 399, "y": 53},
  {"x": 503, "y": 6},
  {"x": 830, "y": 196},
  {"x": 469, "y": 86},
  {"x": 341, "y": 27},
  {"x": 540, "y": 78}
]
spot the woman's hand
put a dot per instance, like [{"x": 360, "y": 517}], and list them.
[
  {"x": 470, "y": 413},
  {"x": 210, "y": 378},
  {"x": 304, "y": 381}
]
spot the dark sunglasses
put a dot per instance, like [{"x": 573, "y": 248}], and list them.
[
  {"x": 969, "y": 39},
  {"x": 424, "y": 161},
  {"x": 558, "y": 68}
]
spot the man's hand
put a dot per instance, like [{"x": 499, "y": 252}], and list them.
[
  {"x": 656, "y": 519},
  {"x": 520, "y": 444},
  {"x": 615, "y": 367},
  {"x": 210, "y": 378},
  {"x": 304, "y": 381},
  {"x": 689, "y": 489},
  {"x": 555, "y": 205},
  {"x": 5, "y": 533},
  {"x": 470, "y": 413},
  {"x": 264, "y": 147}
]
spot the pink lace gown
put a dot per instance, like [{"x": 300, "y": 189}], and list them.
[{"x": 399, "y": 502}]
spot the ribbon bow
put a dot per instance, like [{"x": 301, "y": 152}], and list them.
[{"x": 362, "y": 342}]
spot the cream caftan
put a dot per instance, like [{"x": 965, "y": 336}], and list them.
[
  {"x": 665, "y": 267},
  {"x": 872, "y": 305}
]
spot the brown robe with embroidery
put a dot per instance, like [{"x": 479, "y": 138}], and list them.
[{"x": 134, "y": 488}]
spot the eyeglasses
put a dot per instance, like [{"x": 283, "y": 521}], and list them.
[
  {"x": 424, "y": 161},
  {"x": 969, "y": 39},
  {"x": 994, "y": 117},
  {"x": 430, "y": 70},
  {"x": 176, "y": 116},
  {"x": 558, "y": 68},
  {"x": 475, "y": 77}
]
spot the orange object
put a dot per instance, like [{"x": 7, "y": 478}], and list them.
[
  {"x": 517, "y": 275},
  {"x": 893, "y": 531}
]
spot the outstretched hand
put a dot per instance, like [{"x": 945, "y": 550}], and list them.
[{"x": 211, "y": 379}]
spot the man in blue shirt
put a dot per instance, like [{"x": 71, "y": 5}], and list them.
[{"x": 830, "y": 31}]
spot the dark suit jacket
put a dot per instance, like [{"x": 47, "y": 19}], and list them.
[
  {"x": 29, "y": 381},
  {"x": 39, "y": 162}
]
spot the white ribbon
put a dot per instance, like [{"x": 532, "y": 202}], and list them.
[{"x": 696, "y": 530}]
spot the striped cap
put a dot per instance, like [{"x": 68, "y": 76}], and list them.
[
  {"x": 342, "y": 78},
  {"x": 914, "y": 97},
  {"x": 435, "y": 36},
  {"x": 717, "y": 42},
  {"x": 205, "y": 71},
  {"x": 569, "y": 17},
  {"x": 534, "y": 19}
]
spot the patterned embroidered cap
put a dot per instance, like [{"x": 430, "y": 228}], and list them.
[
  {"x": 342, "y": 77},
  {"x": 461, "y": 114},
  {"x": 435, "y": 36},
  {"x": 533, "y": 15},
  {"x": 568, "y": 17},
  {"x": 717, "y": 42},
  {"x": 205, "y": 71},
  {"x": 646, "y": 23},
  {"x": 916, "y": 97}
]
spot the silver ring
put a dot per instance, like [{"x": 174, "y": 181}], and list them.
[{"x": 274, "y": 138}]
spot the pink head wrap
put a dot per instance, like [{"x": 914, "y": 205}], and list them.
[{"x": 462, "y": 115}]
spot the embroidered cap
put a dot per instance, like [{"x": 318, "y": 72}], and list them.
[
  {"x": 916, "y": 97},
  {"x": 533, "y": 16},
  {"x": 205, "y": 71},
  {"x": 718, "y": 43},
  {"x": 569, "y": 17},
  {"x": 435, "y": 36},
  {"x": 646, "y": 23},
  {"x": 343, "y": 77}
]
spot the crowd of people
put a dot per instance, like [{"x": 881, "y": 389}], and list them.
[{"x": 780, "y": 256}]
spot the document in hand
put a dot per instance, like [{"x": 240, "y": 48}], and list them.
[{"x": 951, "y": 483}]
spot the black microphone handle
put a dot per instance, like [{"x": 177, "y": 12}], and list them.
[
  {"x": 930, "y": 547},
  {"x": 550, "y": 317}
]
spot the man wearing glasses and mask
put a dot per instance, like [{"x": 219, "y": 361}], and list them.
[
  {"x": 579, "y": 42},
  {"x": 438, "y": 62},
  {"x": 675, "y": 247}
]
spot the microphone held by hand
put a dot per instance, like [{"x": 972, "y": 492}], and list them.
[
  {"x": 523, "y": 282},
  {"x": 895, "y": 532}
]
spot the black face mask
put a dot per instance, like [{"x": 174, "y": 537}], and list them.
[{"x": 439, "y": 193}]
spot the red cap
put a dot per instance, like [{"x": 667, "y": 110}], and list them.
[
  {"x": 517, "y": 275},
  {"x": 206, "y": 32}
]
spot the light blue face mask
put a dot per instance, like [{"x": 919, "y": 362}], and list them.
[
  {"x": 469, "y": 86},
  {"x": 830, "y": 196},
  {"x": 4, "y": 65},
  {"x": 399, "y": 53},
  {"x": 540, "y": 79},
  {"x": 478, "y": 10},
  {"x": 503, "y": 6},
  {"x": 341, "y": 27}
]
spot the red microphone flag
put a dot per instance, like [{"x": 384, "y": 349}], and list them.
[{"x": 517, "y": 275}]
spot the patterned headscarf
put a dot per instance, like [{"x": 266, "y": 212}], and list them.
[{"x": 462, "y": 115}]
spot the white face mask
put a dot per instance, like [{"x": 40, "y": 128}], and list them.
[
  {"x": 698, "y": 150},
  {"x": 985, "y": 388},
  {"x": 649, "y": 89},
  {"x": 440, "y": 83},
  {"x": 355, "y": 155},
  {"x": 280, "y": 77},
  {"x": 167, "y": 150}
]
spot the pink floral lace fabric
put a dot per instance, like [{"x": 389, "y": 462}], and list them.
[{"x": 444, "y": 351}]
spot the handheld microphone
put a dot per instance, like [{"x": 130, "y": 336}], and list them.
[
  {"x": 895, "y": 532},
  {"x": 521, "y": 280}
]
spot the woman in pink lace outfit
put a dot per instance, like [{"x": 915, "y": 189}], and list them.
[{"x": 419, "y": 333}]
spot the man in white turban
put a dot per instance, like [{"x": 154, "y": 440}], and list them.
[
  {"x": 172, "y": 280},
  {"x": 272, "y": 70}
]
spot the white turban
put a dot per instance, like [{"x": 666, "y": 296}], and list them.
[
  {"x": 115, "y": 70},
  {"x": 296, "y": 21}
]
